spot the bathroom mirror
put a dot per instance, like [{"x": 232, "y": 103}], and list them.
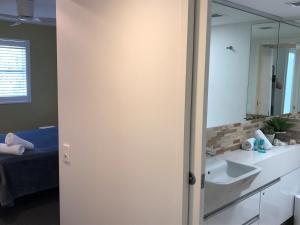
[
  {"x": 274, "y": 90},
  {"x": 238, "y": 39},
  {"x": 262, "y": 69},
  {"x": 285, "y": 98}
]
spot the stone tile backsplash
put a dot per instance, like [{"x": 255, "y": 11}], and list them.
[
  {"x": 295, "y": 130},
  {"x": 229, "y": 137}
]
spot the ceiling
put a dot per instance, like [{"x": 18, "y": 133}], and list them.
[
  {"x": 275, "y": 7},
  {"x": 42, "y": 8},
  {"x": 46, "y": 8},
  {"x": 231, "y": 16},
  {"x": 262, "y": 28}
]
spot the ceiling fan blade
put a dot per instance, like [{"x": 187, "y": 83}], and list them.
[
  {"x": 47, "y": 21},
  {"x": 36, "y": 19}
]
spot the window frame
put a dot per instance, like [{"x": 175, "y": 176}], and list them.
[{"x": 19, "y": 99}]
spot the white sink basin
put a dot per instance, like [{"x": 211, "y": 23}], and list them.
[{"x": 228, "y": 173}]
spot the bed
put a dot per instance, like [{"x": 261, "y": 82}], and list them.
[{"x": 34, "y": 171}]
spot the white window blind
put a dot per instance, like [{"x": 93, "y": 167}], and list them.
[{"x": 14, "y": 71}]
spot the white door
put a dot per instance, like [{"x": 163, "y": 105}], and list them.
[
  {"x": 123, "y": 108},
  {"x": 265, "y": 81}
]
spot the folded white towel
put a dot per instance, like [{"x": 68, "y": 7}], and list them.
[
  {"x": 260, "y": 135},
  {"x": 279, "y": 143},
  {"x": 12, "y": 139},
  {"x": 13, "y": 149},
  {"x": 248, "y": 145}
]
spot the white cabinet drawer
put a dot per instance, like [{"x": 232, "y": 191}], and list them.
[
  {"x": 237, "y": 214},
  {"x": 277, "y": 201}
]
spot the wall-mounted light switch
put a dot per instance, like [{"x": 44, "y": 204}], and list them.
[{"x": 67, "y": 153}]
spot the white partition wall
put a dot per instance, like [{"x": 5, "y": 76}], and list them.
[{"x": 122, "y": 110}]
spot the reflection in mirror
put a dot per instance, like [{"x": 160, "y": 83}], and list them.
[
  {"x": 276, "y": 91},
  {"x": 286, "y": 89},
  {"x": 230, "y": 53},
  {"x": 263, "y": 59}
]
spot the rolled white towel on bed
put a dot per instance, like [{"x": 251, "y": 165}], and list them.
[
  {"x": 13, "y": 149},
  {"x": 248, "y": 145},
  {"x": 260, "y": 135},
  {"x": 12, "y": 139}
]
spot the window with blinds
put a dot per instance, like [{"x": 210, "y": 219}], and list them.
[{"x": 14, "y": 71}]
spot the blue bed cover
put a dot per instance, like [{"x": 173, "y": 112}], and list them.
[{"x": 36, "y": 170}]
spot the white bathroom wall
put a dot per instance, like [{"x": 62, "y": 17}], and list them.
[
  {"x": 228, "y": 74},
  {"x": 122, "y": 87}
]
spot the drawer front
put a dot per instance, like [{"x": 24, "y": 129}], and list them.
[
  {"x": 277, "y": 202},
  {"x": 237, "y": 214}
]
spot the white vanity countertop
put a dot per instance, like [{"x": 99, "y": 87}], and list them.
[
  {"x": 250, "y": 157},
  {"x": 275, "y": 163}
]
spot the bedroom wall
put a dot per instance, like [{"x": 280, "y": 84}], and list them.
[{"x": 42, "y": 110}]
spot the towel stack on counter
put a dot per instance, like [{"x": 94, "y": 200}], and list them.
[
  {"x": 259, "y": 143},
  {"x": 14, "y": 145}
]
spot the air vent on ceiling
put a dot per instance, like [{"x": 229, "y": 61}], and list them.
[
  {"x": 294, "y": 4},
  {"x": 216, "y": 15}
]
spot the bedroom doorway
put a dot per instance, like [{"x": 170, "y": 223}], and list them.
[{"x": 29, "y": 192}]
